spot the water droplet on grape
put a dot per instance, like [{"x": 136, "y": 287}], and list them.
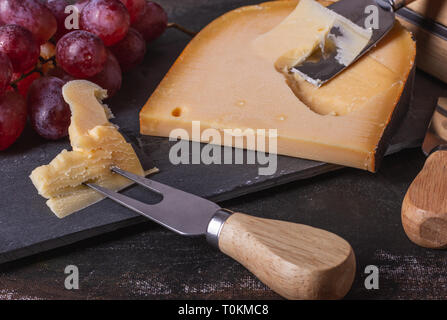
[
  {"x": 108, "y": 19},
  {"x": 30, "y": 14},
  {"x": 49, "y": 113},
  {"x": 81, "y": 54},
  {"x": 20, "y": 46}
]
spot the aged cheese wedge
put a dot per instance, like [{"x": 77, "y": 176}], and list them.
[
  {"x": 97, "y": 145},
  {"x": 233, "y": 74}
]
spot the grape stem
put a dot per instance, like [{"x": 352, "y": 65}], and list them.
[
  {"x": 23, "y": 76},
  {"x": 182, "y": 29},
  {"x": 43, "y": 61},
  {"x": 36, "y": 69}
]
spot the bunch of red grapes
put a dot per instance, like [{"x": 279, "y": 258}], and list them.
[{"x": 38, "y": 55}]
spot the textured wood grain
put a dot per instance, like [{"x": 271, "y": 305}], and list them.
[
  {"x": 432, "y": 9},
  {"x": 296, "y": 261},
  {"x": 431, "y": 51},
  {"x": 424, "y": 209}
]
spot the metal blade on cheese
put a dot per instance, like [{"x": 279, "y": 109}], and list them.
[
  {"x": 347, "y": 40},
  {"x": 97, "y": 145},
  {"x": 224, "y": 80},
  {"x": 330, "y": 38}
]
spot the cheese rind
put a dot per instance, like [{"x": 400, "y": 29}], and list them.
[
  {"x": 97, "y": 145},
  {"x": 224, "y": 80}
]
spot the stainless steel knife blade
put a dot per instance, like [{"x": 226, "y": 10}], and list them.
[
  {"x": 322, "y": 69},
  {"x": 179, "y": 211}
]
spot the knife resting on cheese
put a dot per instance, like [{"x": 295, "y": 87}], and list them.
[{"x": 346, "y": 38}]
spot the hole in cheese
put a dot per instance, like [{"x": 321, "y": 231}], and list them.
[{"x": 177, "y": 112}]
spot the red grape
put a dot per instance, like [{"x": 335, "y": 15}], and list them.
[
  {"x": 61, "y": 74},
  {"x": 135, "y": 8},
  {"x": 80, "y": 4},
  {"x": 12, "y": 118},
  {"x": 5, "y": 72},
  {"x": 108, "y": 19},
  {"x": 49, "y": 113},
  {"x": 130, "y": 51},
  {"x": 20, "y": 46},
  {"x": 57, "y": 7},
  {"x": 81, "y": 54},
  {"x": 111, "y": 77},
  {"x": 153, "y": 22},
  {"x": 30, "y": 14}
]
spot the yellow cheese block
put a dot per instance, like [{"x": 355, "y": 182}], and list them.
[
  {"x": 233, "y": 75},
  {"x": 97, "y": 145}
]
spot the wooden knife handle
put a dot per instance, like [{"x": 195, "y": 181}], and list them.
[
  {"x": 296, "y": 261},
  {"x": 424, "y": 209}
]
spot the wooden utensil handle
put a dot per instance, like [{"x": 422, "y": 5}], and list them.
[
  {"x": 424, "y": 209},
  {"x": 296, "y": 261}
]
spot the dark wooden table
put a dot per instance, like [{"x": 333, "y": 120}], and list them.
[{"x": 147, "y": 262}]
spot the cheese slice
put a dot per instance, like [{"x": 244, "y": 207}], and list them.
[
  {"x": 233, "y": 74},
  {"x": 97, "y": 145}
]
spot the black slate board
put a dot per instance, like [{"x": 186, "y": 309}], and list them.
[{"x": 28, "y": 227}]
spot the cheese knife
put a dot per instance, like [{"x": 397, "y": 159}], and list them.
[
  {"x": 320, "y": 67},
  {"x": 424, "y": 209},
  {"x": 294, "y": 260}
]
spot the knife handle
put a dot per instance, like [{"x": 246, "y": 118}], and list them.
[
  {"x": 424, "y": 209},
  {"x": 294, "y": 260}
]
